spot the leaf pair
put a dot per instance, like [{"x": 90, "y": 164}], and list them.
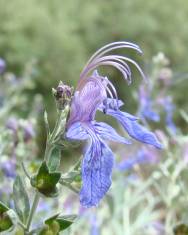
[
  {"x": 5, "y": 220},
  {"x": 56, "y": 224},
  {"x": 45, "y": 181}
]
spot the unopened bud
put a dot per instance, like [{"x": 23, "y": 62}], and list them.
[{"x": 63, "y": 95}]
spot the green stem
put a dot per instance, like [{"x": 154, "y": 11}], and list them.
[
  {"x": 33, "y": 209},
  {"x": 50, "y": 139},
  {"x": 48, "y": 151}
]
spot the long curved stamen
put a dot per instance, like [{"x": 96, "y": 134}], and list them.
[
  {"x": 120, "y": 67},
  {"x": 114, "y": 64},
  {"x": 112, "y": 87},
  {"x": 138, "y": 67},
  {"x": 112, "y": 46},
  {"x": 118, "y": 47},
  {"x": 112, "y": 58},
  {"x": 113, "y": 90},
  {"x": 122, "y": 59}
]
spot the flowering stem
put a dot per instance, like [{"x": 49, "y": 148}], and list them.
[{"x": 48, "y": 151}]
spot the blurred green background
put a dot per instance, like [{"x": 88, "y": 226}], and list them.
[
  {"x": 58, "y": 37},
  {"x": 61, "y": 35}
]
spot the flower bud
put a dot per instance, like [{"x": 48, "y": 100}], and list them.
[
  {"x": 63, "y": 95},
  {"x": 29, "y": 131}
]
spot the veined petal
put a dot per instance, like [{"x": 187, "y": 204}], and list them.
[
  {"x": 77, "y": 132},
  {"x": 86, "y": 100},
  {"x": 107, "y": 132},
  {"x": 134, "y": 129},
  {"x": 97, "y": 162},
  {"x": 96, "y": 173}
]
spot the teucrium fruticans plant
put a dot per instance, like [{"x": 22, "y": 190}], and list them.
[{"x": 76, "y": 123}]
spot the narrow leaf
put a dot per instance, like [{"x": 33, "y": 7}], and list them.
[
  {"x": 21, "y": 199},
  {"x": 3, "y": 207},
  {"x": 45, "y": 181},
  {"x": 65, "y": 221},
  {"x": 54, "y": 160},
  {"x": 57, "y": 223}
]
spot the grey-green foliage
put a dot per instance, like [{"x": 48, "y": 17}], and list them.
[
  {"x": 21, "y": 199},
  {"x": 129, "y": 208}
]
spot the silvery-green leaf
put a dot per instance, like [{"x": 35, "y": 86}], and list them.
[
  {"x": 65, "y": 221},
  {"x": 46, "y": 123},
  {"x": 21, "y": 199},
  {"x": 54, "y": 160},
  {"x": 57, "y": 223}
]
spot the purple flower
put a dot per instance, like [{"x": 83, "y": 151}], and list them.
[
  {"x": 95, "y": 92},
  {"x": 146, "y": 105},
  {"x": 9, "y": 168},
  {"x": 169, "y": 107},
  {"x": 2, "y": 65},
  {"x": 29, "y": 131},
  {"x": 142, "y": 156}
]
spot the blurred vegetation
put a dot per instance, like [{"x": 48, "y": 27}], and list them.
[
  {"x": 52, "y": 40},
  {"x": 61, "y": 35}
]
